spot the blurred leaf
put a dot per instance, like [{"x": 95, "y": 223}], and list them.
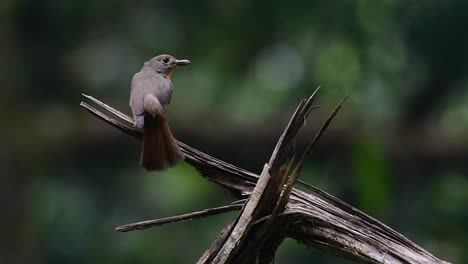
[
  {"x": 372, "y": 177},
  {"x": 338, "y": 65}
]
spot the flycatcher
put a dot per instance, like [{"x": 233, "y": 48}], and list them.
[{"x": 150, "y": 96}]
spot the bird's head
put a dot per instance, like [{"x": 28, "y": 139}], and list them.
[{"x": 165, "y": 64}]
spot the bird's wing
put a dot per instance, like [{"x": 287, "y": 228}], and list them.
[{"x": 137, "y": 93}]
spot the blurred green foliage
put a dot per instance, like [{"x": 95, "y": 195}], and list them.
[
  {"x": 397, "y": 151},
  {"x": 372, "y": 177}
]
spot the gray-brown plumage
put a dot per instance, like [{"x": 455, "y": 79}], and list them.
[{"x": 149, "y": 97}]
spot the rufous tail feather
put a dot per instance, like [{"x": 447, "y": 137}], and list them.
[{"x": 159, "y": 151}]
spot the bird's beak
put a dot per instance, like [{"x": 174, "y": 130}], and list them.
[{"x": 182, "y": 62}]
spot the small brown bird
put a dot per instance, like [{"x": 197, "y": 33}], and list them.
[{"x": 149, "y": 97}]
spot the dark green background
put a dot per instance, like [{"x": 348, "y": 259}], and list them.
[{"x": 398, "y": 150}]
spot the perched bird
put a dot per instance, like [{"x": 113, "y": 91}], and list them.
[{"x": 149, "y": 97}]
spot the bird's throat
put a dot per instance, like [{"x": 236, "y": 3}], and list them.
[{"x": 169, "y": 73}]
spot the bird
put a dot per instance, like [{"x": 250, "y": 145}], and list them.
[{"x": 150, "y": 95}]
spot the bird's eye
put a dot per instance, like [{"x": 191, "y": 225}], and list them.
[{"x": 166, "y": 60}]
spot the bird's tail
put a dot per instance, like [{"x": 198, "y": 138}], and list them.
[{"x": 159, "y": 151}]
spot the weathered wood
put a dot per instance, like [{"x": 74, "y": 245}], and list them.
[
  {"x": 316, "y": 219},
  {"x": 260, "y": 244},
  {"x": 173, "y": 219},
  {"x": 228, "y": 252}
]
